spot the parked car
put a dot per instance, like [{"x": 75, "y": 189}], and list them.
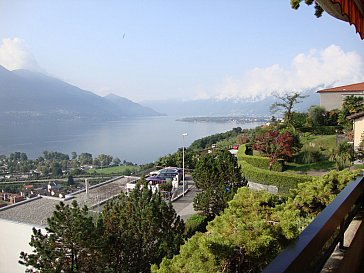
[
  {"x": 164, "y": 174},
  {"x": 172, "y": 172},
  {"x": 160, "y": 178}
]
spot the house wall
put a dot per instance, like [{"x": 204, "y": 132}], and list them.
[
  {"x": 358, "y": 130},
  {"x": 333, "y": 100},
  {"x": 330, "y": 100}
]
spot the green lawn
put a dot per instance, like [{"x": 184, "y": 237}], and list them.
[
  {"x": 325, "y": 142},
  {"x": 115, "y": 170},
  {"x": 318, "y": 166}
]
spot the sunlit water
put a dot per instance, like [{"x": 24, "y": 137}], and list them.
[{"x": 139, "y": 140}]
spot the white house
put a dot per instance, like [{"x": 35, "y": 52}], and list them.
[{"x": 332, "y": 98}]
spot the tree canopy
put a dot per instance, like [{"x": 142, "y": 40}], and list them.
[
  {"x": 132, "y": 233},
  {"x": 286, "y": 104},
  {"x": 69, "y": 245},
  {"x": 255, "y": 227},
  {"x": 140, "y": 229},
  {"x": 218, "y": 176},
  {"x": 295, "y": 4},
  {"x": 275, "y": 145}
]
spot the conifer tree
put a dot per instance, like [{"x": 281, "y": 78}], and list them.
[
  {"x": 140, "y": 229},
  {"x": 218, "y": 176},
  {"x": 69, "y": 245}
]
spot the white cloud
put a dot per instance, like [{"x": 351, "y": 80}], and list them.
[
  {"x": 330, "y": 66},
  {"x": 14, "y": 54}
]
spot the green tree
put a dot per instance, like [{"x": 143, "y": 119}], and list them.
[
  {"x": 69, "y": 244},
  {"x": 56, "y": 169},
  {"x": 295, "y": 4},
  {"x": 218, "y": 176},
  {"x": 104, "y": 160},
  {"x": 140, "y": 229},
  {"x": 70, "y": 180},
  {"x": 332, "y": 117},
  {"x": 85, "y": 158},
  {"x": 299, "y": 119},
  {"x": 342, "y": 155},
  {"x": 96, "y": 162},
  {"x": 351, "y": 105},
  {"x": 255, "y": 228},
  {"x": 286, "y": 104},
  {"x": 116, "y": 161},
  {"x": 316, "y": 116},
  {"x": 73, "y": 155}
]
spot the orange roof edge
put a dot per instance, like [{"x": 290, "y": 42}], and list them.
[
  {"x": 356, "y": 87},
  {"x": 354, "y": 13},
  {"x": 351, "y": 11}
]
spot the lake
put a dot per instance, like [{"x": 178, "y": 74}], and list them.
[{"x": 139, "y": 140}]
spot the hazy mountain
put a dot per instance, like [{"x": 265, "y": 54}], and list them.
[
  {"x": 214, "y": 107},
  {"x": 26, "y": 94},
  {"x": 133, "y": 109}
]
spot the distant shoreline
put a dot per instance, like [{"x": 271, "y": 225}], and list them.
[{"x": 240, "y": 119}]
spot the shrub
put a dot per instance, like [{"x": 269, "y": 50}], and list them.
[
  {"x": 255, "y": 228},
  {"x": 283, "y": 181},
  {"x": 309, "y": 154},
  {"x": 259, "y": 161},
  {"x": 166, "y": 186},
  {"x": 196, "y": 223}
]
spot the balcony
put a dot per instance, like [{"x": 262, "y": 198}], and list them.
[{"x": 323, "y": 246}]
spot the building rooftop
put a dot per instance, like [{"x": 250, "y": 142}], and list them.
[
  {"x": 38, "y": 210},
  {"x": 356, "y": 87},
  {"x": 356, "y": 115}
]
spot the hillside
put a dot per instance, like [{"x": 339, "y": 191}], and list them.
[{"x": 31, "y": 95}]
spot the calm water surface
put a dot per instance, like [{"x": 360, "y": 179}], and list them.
[{"x": 139, "y": 140}]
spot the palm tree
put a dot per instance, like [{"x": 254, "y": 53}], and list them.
[{"x": 342, "y": 155}]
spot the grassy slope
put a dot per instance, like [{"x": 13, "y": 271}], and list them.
[{"x": 326, "y": 143}]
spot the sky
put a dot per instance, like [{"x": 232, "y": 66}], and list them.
[{"x": 191, "y": 49}]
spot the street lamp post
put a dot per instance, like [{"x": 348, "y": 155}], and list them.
[{"x": 183, "y": 162}]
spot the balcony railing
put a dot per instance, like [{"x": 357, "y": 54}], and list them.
[{"x": 318, "y": 240}]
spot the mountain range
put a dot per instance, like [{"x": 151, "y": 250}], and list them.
[
  {"x": 230, "y": 107},
  {"x": 31, "y": 95}
]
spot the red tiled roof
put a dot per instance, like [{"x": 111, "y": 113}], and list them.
[{"x": 356, "y": 87}]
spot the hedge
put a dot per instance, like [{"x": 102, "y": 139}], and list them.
[
  {"x": 259, "y": 161},
  {"x": 283, "y": 181}
]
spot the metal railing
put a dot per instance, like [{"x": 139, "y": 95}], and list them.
[{"x": 310, "y": 251}]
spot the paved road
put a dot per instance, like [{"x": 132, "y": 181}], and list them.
[{"x": 184, "y": 204}]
